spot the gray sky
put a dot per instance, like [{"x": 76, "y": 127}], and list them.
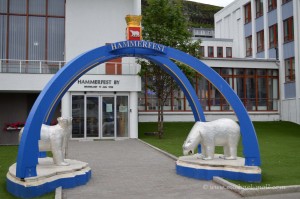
[{"x": 222, "y": 3}]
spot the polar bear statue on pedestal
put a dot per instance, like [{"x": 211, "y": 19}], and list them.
[
  {"x": 55, "y": 139},
  {"x": 221, "y": 132}
]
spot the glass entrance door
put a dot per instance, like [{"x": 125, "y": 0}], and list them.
[
  {"x": 108, "y": 117},
  {"x": 78, "y": 116},
  {"x": 92, "y": 116},
  {"x": 122, "y": 116},
  {"x": 100, "y": 116}
]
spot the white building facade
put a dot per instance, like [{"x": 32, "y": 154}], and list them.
[
  {"x": 267, "y": 29},
  {"x": 109, "y": 109},
  {"x": 39, "y": 37}
]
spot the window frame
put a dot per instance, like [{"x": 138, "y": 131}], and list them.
[
  {"x": 227, "y": 55},
  {"x": 290, "y": 77},
  {"x": 208, "y": 52},
  {"x": 247, "y": 9},
  {"x": 273, "y": 29},
  {"x": 260, "y": 40},
  {"x": 213, "y": 101},
  {"x": 202, "y": 51},
  {"x": 221, "y": 55},
  {"x": 285, "y": 1},
  {"x": 248, "y": 48},
  {"x": 27, "y": 15},
  {"x": 289, "y": 35},
  {"x": 272, "y": 5},
  {"x": 259, "y": 11}
]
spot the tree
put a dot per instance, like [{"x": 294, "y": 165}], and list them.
[{"x": 164, "y": 23}]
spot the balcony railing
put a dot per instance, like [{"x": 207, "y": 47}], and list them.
[
  {"x": 51, "y": 67},
  {"x": 30, "y": 66}
]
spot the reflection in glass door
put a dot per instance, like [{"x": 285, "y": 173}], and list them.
[
  {"x": 122, "y": 116},
  {"x": 108, "y": 117},
  {"x": 92, "y": 117},
  {"x": 78, "y": 116}
]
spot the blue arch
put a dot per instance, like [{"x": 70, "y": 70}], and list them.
[{"x": 51, "y": 95}]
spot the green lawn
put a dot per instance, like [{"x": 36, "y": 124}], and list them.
[
  {"x": 279, "y": 147},
  {"x": 8, "y": 156}
]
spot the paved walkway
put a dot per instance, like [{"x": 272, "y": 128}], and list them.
[{"x": 130, "y": 169}]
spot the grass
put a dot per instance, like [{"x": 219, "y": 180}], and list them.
[
  {"x": 8, "y": 156},
  {"x": 278, "y": 141}
]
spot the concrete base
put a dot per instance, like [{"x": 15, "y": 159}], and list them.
[
  {"x": 49, "y": 177},
  {"x": 194, "y": 167}
]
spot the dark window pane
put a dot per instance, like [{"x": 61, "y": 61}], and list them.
[
  {"x": 56, "y": 39},
  {"x": 261, "y": 72},
  {"x": 250, "y": 72},
  {"x": 17, "y": 37},
  {"x": 36, "y": 38},
  {"x": 238, "y": 71},
  {"x": 56, "y": 7},
  {"x": 78, "y": 116},
  {"x": 3, "y": 6},
  {"x": 3, "y": 30},
  {"x": 17, "y": 6},
  {"x": 37, "y": 7}
]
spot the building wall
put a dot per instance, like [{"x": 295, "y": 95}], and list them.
[
  {"x": 210, "y": 116},
  {"x": 229, "y": 25},
  {"x": 289, "y": 92},
  {"x": 93, "y": 24},
  {"x": 23, "y": 82},
  {"x": 211, "y": 42},
  {"x": 15, "y": 107}
]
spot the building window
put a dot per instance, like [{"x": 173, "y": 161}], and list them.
[
  {"x": 114, "y": 67},
  {"x": 32, "y": 30},
  {"x": 248, "y": 13},
  {"x": 285, "y": 1},
  {"x": 272, "y": 4},
  {"x": 202, "y": 51},
  {"x": 210, "y": 51},
  {"x": 259, "y": 8},
  {"x": 257, "y": 88},
  {"x": 228, "y": 52},
  {"x": 219, "y": 51},
  {"x": 288, "y": 29},
  {"x": 249, "y": 46},
  {"x": 260, "y": 41},
  {"x": 273, "y": 36},
  {"x": 289, "y": 69}
]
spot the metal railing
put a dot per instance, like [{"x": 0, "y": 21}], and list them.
[
  {"x": 30, "y": 66},
  {"x": 51, "y": 67}
]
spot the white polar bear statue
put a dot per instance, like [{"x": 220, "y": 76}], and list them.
[
  {"x": 55, "y": 139},
  {"x": 221, "y": 132}
]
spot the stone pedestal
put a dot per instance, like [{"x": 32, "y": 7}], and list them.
[
  {"x": 49, "y": 177},
  {"x": 194, "y": 167}
]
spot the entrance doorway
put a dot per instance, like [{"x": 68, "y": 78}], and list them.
[{"x": 100, "y": 116}]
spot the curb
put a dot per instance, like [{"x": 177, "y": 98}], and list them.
[
  {"x": 163, "y": 152},
  {"x": 245, "y": 192},
  {"x": 58, "y": 193}
]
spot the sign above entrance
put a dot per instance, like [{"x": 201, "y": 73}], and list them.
[{"x": 107, "y": 83}]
